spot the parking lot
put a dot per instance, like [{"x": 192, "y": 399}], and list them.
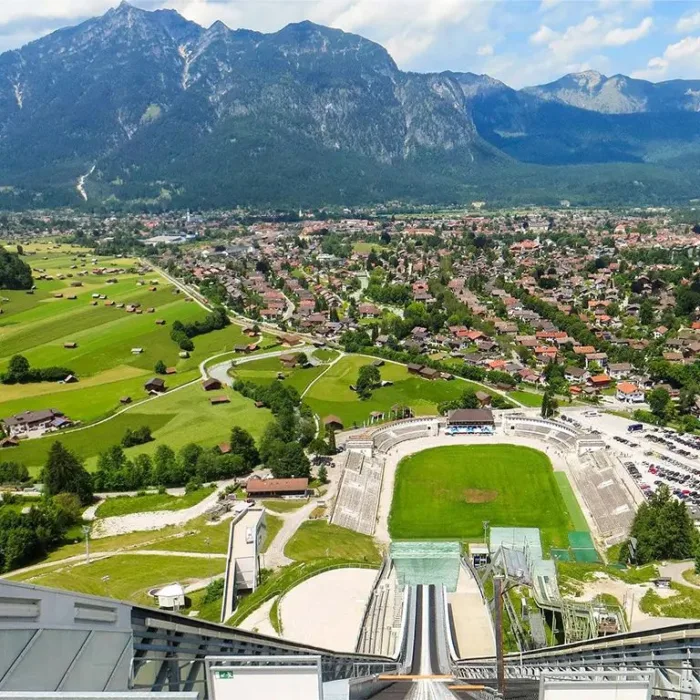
[{"x": 652, "y": 456}]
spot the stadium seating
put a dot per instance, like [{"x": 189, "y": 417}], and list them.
[
  {"x": 605, "y": 496},
  {"x": 358, "y": 496}
]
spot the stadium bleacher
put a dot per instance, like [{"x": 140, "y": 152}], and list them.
[
  {"x": 358, "y": 497},
  {"x": 607, "y": 499}
]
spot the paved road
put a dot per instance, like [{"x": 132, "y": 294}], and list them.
[
  {"x": 275, "y": 556},
  {"x": 220, "y": 370},
  {"x": 675, "y": 571}
]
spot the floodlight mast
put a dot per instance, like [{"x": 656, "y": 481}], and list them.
[{"x": 86, "y": 532}]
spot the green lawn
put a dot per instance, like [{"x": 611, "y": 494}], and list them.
[
  {"x": 685, "y": 603},
  {"x": 130, "y": 576},
  {"x": 572, "y": 504},
  {"x": 201, "y": 537},
  {"x": 448, "y": 492},
  {"x": 280, "y": 505},
  {"x": 265, "y": 371},
  {"x": 273, "y": 525},
  {"x": 526, "y": 398},
  {"x": 176, "y": 418},
  {"x": 325, "y": 354},
  {"x": 331, "y": 395},
  {"x": 38, "y": 325},
  {"x": 125, "y": 505},
  {"x": 316, "y": 539}
]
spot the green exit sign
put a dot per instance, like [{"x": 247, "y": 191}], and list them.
[{"x": 224, "y": 675}]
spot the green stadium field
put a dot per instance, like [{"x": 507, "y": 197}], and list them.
[{"x": 448, "y": 493}]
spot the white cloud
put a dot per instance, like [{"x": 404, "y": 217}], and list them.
[
  {"x": 543, "y": 35},
  {"x": 621, "y": 36},
  {"x": 683, "y": 58},
  {"x": 688, "y": 23},
  {"x": 14, "y": 10},
  {"x": 548, "y": 4},
  {"x": 591, "y": 34},
  {"x": 485, "y": 50}
]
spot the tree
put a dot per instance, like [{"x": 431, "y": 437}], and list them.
[
  {"x": 288, "y": 460},
  {"x": 165, "y": 468},
  {"x": 243, "y": 444},
  {"x": 332, "y": 448},
  {"x": 18, "y": 368},
  {"x": 14, "y": 272},
  {"x": 69, "y": 508},
  {"x": 160, "y": 367},
  {"x": 323, "y": 474},
  {"x": 663, "y": 528},
  {"x": 646, "y": 312},
  {"x": 658, "y": 400},
  {"x": 549, "y": 404},
  {"x": 469, "y": 399},
  {"x": 368, "y": 377},
  {"x": 189, "y": 456},
  {"x": 64, "y": 473}
]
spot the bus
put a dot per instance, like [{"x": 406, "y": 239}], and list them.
[{"x": 635, "y": 427}]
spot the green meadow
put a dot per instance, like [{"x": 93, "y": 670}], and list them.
[
  {"x": 38, "y": 325},
  {"x": 331, "y": 394}
]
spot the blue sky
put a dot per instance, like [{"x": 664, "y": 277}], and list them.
[{"x": 521, "y": 42}]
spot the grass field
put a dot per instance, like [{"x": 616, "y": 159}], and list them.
[
  {"x": 285, "y": 506},
  {"x": 448, "y": 492},
  {"x": 265, "y": 371},
  {"x": 527, "y": 398},
  {"x": 572, "y": 504},
  {"x": 130, "y": 575},
  {"x": 273, "y": 525},
  {"x": 316, "y": 539},
  {"x": 125, "y": 505},
  {"x": 331, "y": 395},
  {"x": 177, "y": 418},
  {"x": 38, "y": 325},
  {"x": 325, "y": 354}
]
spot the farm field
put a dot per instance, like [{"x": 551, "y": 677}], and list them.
[
  {"x": 446, "y": 493},
  {"x": 331, "y": 395},
  {"x": 37, "y": 326},
  {"x": 176, "y": 419},
  {"x": 265, "y": 372}
]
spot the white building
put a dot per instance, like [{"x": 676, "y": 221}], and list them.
[
  {"x": 629, "y": 393},
  {"x": 171, "y": 596}
]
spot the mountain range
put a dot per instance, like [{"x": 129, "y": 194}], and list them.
[{"x": 141, "y": 109}]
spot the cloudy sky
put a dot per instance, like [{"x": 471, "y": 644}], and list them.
[{"x": 522, "y": 42}]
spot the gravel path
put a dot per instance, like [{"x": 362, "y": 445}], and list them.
[{"x": 139, "y": 522}]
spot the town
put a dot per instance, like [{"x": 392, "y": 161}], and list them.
[{"x": 271, "y": 411}]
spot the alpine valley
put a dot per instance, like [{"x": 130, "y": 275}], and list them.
[{"x": 139, "y": 110}]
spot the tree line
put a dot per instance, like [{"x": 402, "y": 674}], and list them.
[{"x": 19, "y": 371}]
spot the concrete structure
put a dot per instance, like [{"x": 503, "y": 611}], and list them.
[{"x": 246, "y": 540}]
